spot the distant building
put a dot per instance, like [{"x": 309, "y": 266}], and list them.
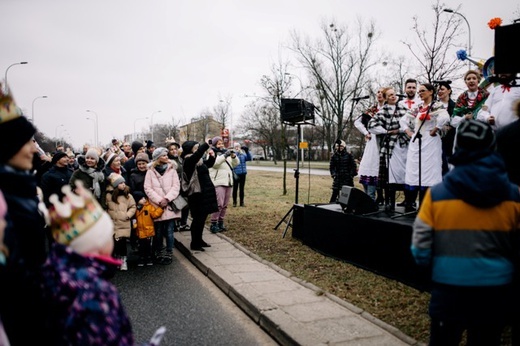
[{"x": 200, "y": 129}]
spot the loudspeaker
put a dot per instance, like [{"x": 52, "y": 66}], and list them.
[
  {"x": 296, "y": 110},
  {"x": 506, "y": 52},
  {"x": 355, "y": 201}
]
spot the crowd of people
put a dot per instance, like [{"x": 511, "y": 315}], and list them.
[{"x": 68, "y": 221}]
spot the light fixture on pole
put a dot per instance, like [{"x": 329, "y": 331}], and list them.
[
  {"x": 448, "y": 10},
  {"x": 56, "y": 133},
  {"x": 8, "y": 67},
  {"x": 133, "y": 137},
  {"x": 32, "y": 114},
  {"x": 97, "y": 127},
  {"x": 151, "y": 122}
]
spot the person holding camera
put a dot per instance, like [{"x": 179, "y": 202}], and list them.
[
  {"x": 342, "y": 168},
  {"x": 222, "y": 177},
  {"x": 239, "y": 183}
]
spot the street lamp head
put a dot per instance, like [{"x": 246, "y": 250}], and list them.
[
  {"x": 449, "y": 10},
  {"x": 23, "y": 62}
]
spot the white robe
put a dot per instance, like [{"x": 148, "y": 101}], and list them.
[
  {"x": 430, "y": 150},
  {"x": 369, "y": 165}
]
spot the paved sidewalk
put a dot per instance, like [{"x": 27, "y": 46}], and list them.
[{"x": 292, "y": 311}]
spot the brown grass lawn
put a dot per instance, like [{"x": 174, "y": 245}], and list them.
[{"x": 253, "y": 227}]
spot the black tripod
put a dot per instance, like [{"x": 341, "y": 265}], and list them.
[{"x": 290, "y": 213}]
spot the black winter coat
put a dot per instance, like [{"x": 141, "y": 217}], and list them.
[
  {"x": 53, "y": 180},
  {"x": 205, "y": 202},
  {"x": 136, "y": 184},
  {"x": 343, "y": 169},
  {"x": 21, "y": 304}
]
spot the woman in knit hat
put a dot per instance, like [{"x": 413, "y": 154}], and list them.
[
  {"x": 162, "y": 186},
  {"x": 90, "y": 172},
  {"x": 121, "y": 208},
  {"x": 113, "y": 165},
  {"x": 221, "y": 174},
  {"x": 204, "y": 201},
  {"x": 25, "y": 235},
  {"x": 86, "y": 306}
]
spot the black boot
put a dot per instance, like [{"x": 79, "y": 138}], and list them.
[
  {"x": 221, "y": 226},
  {"x": 410, "y": 197}
]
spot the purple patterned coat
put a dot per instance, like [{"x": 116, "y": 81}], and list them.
[{"x": 86, "y": 307}]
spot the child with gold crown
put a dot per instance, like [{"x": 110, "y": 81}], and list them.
[{"x": 87, "y": 308}]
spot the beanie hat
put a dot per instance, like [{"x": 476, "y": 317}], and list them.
[
  {"x": 149, "y": 144},
  {"x": 109, "y": 158},
  {"x": 58, "y": 156},
  {"x": 115, "y": 179},
  {"x": 79, "y": 221},
  {"x": 158, "y": 152},
  {"x": 215, "y": 139},
  {"x": 475, "y": 135},
  {"x": 136, "y": 145},
  {"x": 93, "y": 153},
  {"x": 187, "y": 147},
  {"x": 142, "y": 157},
  {"x": 15, "y": 129}
]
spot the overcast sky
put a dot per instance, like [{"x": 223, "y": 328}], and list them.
[{"x": 127, "y": 59}]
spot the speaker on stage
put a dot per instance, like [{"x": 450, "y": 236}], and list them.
[
  {"x": 296, "y": 111},
  {"x": 506, "y": 54},
  {"x": 355, "y": 201}
]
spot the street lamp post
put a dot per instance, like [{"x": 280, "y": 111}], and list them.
[
  {"x": 97, "y": 127},
  {"x": 5, "y": 79},
  {"x": 56, "y": 133},
  {"x": 134, "y": 126},
  {"x": 32, "y": 114},
  {"x": 151, "y": 122},
  {"x": 448, "y": 10},
  {"x": 301, "y": 90},
  {"x": 95, "y": 132}
]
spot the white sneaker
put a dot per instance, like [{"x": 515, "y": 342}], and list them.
[{"x": 124, "y": 266}]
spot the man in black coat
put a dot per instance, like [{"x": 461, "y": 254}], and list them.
[{"x": 57, "y": 176}]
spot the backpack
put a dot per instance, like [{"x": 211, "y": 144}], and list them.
[{"x": 192, "y": 186}]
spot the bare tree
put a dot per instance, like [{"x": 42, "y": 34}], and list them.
[
  {"x": 222, "y": 114},
  {"x": 434, "y": 50},
  {"x": 260, "y": 121},
  {"x": 337, "y": 65}
]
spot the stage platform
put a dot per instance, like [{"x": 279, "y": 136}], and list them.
[{"x": 379, "y": 242}]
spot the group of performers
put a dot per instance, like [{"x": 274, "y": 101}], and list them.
[{"x": 410, "y": 139}]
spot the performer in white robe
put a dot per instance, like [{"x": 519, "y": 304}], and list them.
[
  {"x": 394, "y": 145},
  {"x": 369, "y": 166},
  {"x": 429, "y": 117}
]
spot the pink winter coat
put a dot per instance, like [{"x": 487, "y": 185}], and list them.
[{"x": 158, "y": 186}]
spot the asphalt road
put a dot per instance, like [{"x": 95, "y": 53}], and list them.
[{"x": 179, "y": 297}]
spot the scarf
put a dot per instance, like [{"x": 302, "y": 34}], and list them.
[
  {"x": 465, "y": 104},
  {"x": 388, "y": 119},
  {"x": 97, "y": 177}
]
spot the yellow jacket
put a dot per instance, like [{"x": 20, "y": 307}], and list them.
[{"x": 145, "y": 217}]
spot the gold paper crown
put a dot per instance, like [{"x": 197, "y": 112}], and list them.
[
  {"x": 8, "y": 108},
  {"x": 75, "y": 215}
]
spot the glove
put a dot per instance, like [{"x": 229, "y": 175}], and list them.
[
  {"x": 227, "y": 154},
  {"x": 338, "y": 142},
  {"x": 244, "y": 148}
]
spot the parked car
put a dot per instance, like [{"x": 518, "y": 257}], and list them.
[{"x": 258, "y": 157}]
